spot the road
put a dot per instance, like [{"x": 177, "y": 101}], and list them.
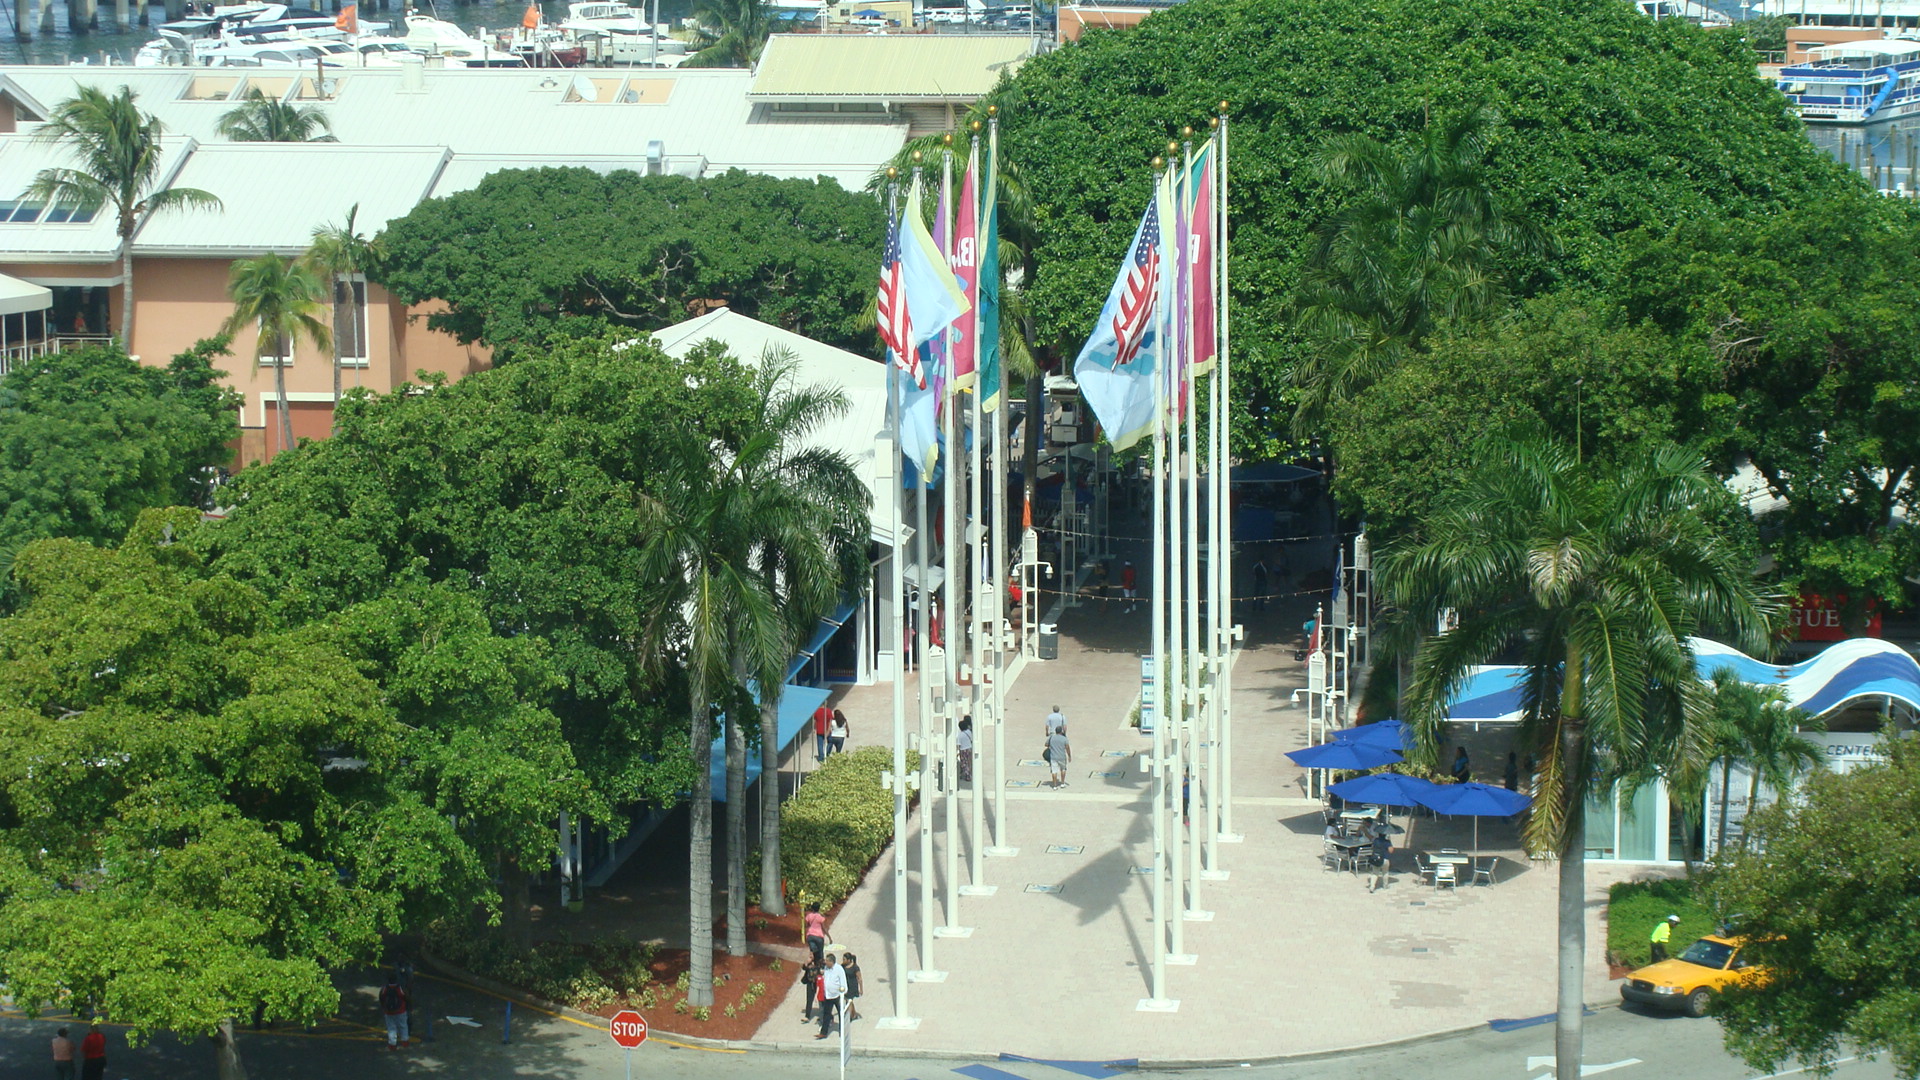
[{"x": 1624, "y": 1045}]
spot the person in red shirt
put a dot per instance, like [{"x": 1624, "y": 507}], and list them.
[
  {"x": 93, "y": 1051},
  {"x": 822, "y": 717},
  {"x": 1126, "y": 586}
]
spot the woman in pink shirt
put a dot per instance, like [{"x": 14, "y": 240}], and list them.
[{"x": 816, "y": 931}]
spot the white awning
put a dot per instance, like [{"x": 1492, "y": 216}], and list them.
[{"x": 18, "y": 296}]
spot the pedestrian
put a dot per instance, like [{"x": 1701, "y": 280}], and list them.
[
  {"x": 1662, "y": 934},
  {"x": 93, "y": 1053},
  {"x": 1512, "y": 779},
  {"x": 822, "y": 719},
  {"x": 1260, "y": 575},
  {"x": 851, "y": 965},
  {"x": 394, "y": 1006},
  {"x": 1059, "y": 753},
  {"x": 816, "y": 931},
  {"x": 1056, "y": 721},
  {"x": 1462, "y": 768},
  {"x": 833, "y": 990},
  {"x": 837, "y": 734},
  {"x": 810, "y": 980},
  {"x": 62, "y": 1056},
  {"x": 1383, "y": 858},
  {"x": 963, "y": 750},
  {"x": 1186, "y": 796},
  {"x": 1127, "y": 580}
]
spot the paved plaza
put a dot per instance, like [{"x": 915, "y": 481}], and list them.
[{"x": 1294, "y": 959}]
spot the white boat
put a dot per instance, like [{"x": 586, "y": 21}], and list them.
[
  {"x": 631, "y": 38},
  {"x": 1691, "y": 10},
  {"x": 1856, "y": 81},
  {"x": 173, "y": 50},
  {"x": 433, "y": 37}
]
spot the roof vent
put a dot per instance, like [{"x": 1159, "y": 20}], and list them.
[{"x": 656, "y": 158}]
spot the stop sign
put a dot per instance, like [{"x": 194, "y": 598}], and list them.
[{"x": 628, "y": 1028}]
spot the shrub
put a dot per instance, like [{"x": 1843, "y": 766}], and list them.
[
  {"x": 836, "y": 826},
  {"x": 702, "y": 1013},
  {"x": 1633, "y": 907}
]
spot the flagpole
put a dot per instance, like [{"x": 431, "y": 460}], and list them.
[
  {"x": 1196, "y": 647},
  {"x": 1159, "y": 1002},
  {"x": 891, "y": 475},
  {"x": 953, "y": 629},
  {"x": 923, "y": 639},
  {"x": 1176, "y": 573},
  {"x": 1001, "y": 834},
  {"x": 1219, "y": 566},
  {"x": 977, "y": 565},
  {"x": 1226, "y": 833}
]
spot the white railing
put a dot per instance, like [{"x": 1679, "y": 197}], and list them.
[{"x": 13, "y": 355}]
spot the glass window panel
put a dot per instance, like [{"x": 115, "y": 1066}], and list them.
[
  {"x": 1601, "y": 843},
  {"x": 1638, "y": 822}
]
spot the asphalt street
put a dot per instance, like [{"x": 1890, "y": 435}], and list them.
[{"x": 1631, "y": 1045}]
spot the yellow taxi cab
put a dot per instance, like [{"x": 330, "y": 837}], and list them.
[{"x": 1688, "y": 982}]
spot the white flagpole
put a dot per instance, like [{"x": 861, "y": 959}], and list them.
[
  {"x": 953, "y": 628},
  {"x": 923, "y": 638},
  {"x": 977, "y": 565},
  {"x": 1226, "y": 833},
  {"x": 997, "y": 608},
  {"x": 1176, "y": 572},
  {"x": 1158, "y": 989},
  {"x": 1219, "y": 565},
  {"x": 1197, "y": 649},
  {"x": 891, "y": 475}
]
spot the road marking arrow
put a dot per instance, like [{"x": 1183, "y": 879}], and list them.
[
  {"x": 1585, "y": 1070},
  {"x": 463, "y": 1021}
]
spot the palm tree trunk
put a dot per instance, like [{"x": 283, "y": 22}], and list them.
[
  {"x": 736, "y": 835},
  {"x": 773, "y": 898},
  {"x": 333, "y": 421},
  {"x": 516, "y": 900},
  {"x": 700, "y": 860},
  {"x": 280, "y": 400},
  {"x": 1569, "y": 1020},
  {"x": 226, "y": 1053},
  {"x": 1726, "y": 782},
  {"x": 126, "y": 295},
  {"x": 1030, "y": 452},
  {"x": 1753, "y": 794}
]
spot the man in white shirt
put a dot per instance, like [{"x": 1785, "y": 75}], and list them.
[
  {"x": 833, "y": 990},
  {"x": 1055, "y": 721}
]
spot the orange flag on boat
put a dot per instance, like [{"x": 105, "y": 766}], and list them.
[
  {"x": 349, "y": 19},
  {"x": 531, "y": 20}
]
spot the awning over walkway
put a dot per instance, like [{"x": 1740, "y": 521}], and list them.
[
  {"x": 796, "y": 708},
  {"x": 18, "y": 297},
  {"x": 822, "y": 634}
]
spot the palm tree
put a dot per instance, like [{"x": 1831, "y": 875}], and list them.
[
  {"x": 284, "y": 299},
  {"x": 339, "y": 253},
  {"x": 750, "y": 537},
  {"x": 1756, "y": 725},
  {"x": 1417, "y": 243},
  {"x": 1596, "y": 581},
  {"x": 731, "y": 32},
  {"x": 118, "y": 148},
  {"x": 259, "y": 118}
]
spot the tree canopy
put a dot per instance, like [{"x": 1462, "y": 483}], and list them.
[
  {"x": 90, "y": 437},
  {"x": 532, "y": 253}
]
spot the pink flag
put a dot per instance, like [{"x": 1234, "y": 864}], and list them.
[
  {"x": 965, "y": 260},
  {"x": 1200, "y": 247}
]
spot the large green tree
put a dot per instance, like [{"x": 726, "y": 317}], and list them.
[
  {"x": 203, "y": 813},
  {"x": 117, "y": 168},
  {"x": 89, "y": 438},
  {"x": 1594, "y": 580},
  {"x": 1615, "y": 121},
  {"x": 532, "y": 253},
  {"x": 1830, "y": 907}
]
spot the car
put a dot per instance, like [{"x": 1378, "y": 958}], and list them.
[{"x": 1688, "y": 982}]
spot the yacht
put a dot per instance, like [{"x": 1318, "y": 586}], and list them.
[
  {"x": 173, "y": 50},
  {"x": 630, "y": 37},
  {"x": 1856, "y": 81},
  {"x": 455, "y": 47}
]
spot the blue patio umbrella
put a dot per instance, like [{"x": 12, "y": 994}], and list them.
[
  {"x": 1384, "y": 789},
  {"x": 1388, "y": 733},
  {"x": 1475, "y": 801},
  {"x": 1345, "y": 755}
]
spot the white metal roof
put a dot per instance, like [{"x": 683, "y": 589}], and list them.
[
  {"x": 465, "y": 171},
  {"x": 273, "y": 195},
  {"x": 21, "y": 160},
  {"x": 18, "y": 296},
  {"x": 1881, "y": 49}
]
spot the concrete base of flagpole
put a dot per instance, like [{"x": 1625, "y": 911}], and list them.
[
  {"x": 979, "y": 890},
  {"x": 1159, "y": 1005},
  {"x": 1000, "y": 853},
  {"x": 1215, "y": 875},
  {"x": 1225, "y": 838},
  {"x": 898, "y": 1023},
  {"x": 1183, "y": 959},
  {"x": 1196, "y": 915},
  {"x": 927, "y": 976},
  {"x": 953, "y": 931}
]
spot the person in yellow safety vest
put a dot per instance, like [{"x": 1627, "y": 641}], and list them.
[{"x": 1663, "y": 933}]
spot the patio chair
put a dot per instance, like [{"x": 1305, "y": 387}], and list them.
[
  {"x": 1483, "y": 870},
  {"x": 1443, "y": 875},
  {"x": 1424, "y": 867},
  {"x": 1332, "y": 857}
]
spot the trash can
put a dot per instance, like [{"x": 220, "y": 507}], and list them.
[{"x": 1049, "y": 641}]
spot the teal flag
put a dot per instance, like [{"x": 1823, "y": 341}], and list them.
[{"x": 989, "y": 366}]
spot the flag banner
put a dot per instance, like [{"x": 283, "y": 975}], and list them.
[
  {"x": 348, "y": 20},
  {"x": 941, "y": 345},
  {"x": 1180, "y": 284},
  {"x": 919, "y": 428},
  {"x": 966, "y": 267},
  {"x": 531, "y": 20},
  {"x": 989, "y": 279},
  {"x": 1117, "y": 366},
  {"x": 918, "y": 297},
  {"x": 1200, "y": 247}
]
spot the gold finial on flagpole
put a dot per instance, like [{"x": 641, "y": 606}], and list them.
[
  {"x": 916, "y": 157},
  {"x": 947, "y": 139},
  {"x": 1214, "y": 123},
  {"x": 976, "y": 125},
  {"x": 993, "y": 110},
  {"x": 1159, "y": 163},
  {"x": 1223, "y": 108},
  {"x": 1187, "y": 132},
  {"x": 893, "y": 173},
  {"x": 1172, "y": 148}
]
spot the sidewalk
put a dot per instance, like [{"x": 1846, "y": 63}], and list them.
[{"x": 1296, "y": 959}]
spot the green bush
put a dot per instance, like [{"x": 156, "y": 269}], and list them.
[
  {"x": 1633, "y": 907},
  {"x": 836, "y": 826}
]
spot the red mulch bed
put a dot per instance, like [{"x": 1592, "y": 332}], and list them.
[
  {"x": 766, "y": 929},
  {"x": 739, "y": 974}
]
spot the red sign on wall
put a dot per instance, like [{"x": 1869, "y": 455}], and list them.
[{"x": 1816, "y": 618}]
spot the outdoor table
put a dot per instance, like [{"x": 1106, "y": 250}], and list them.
[
  {"x": 1353, "y": 846},
  {"x": 1450, "y": 860},
  {"x": 1369, "y": 814}
]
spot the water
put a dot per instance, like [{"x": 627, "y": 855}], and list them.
[
  {"x": 1886, "y": 152},
  {"x": 63, "y": 47}
]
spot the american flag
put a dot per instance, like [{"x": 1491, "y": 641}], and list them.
[
  {"x": 1130, "y": 323},
  {"x": 895, "y": 322}
]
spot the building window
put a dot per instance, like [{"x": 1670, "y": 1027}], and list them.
[
  {"x": 350, "y": 320},
  {"x": 279, "y": 354}
]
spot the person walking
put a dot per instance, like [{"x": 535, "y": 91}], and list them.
[
  {"x": 62, "y": 1056},
  {"x": 810, "y": 980},
  {"x": 833, "y": 990},
  {"x": 93, "y": 1053},
  {"x": 837, "y": 734},
  {"x": 1059, "y": 753},
  {"x": 1127, "y": 581},
  {"x": 394, "y": 1007},
  {"x": 963, "y": 750},
  {"x": 851, "y": 965},
  {"x": 1462, "y": 768},
  {"x": 1382, "y": 856},
  {"x": 1512, "y": 778},
  {"x": 816, "y": 931},
  {"x": 1056, "y": 721},
  {"x": 1662, "y": 934},
  {"x": 1260, "y": 575},
  {"x": 822, "y": 720}
]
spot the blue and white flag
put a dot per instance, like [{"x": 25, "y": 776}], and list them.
[
  {"x": 920, "y": 425},
  {"x": 919, "y": 297},
  {"x": 1117, "y": 367}
]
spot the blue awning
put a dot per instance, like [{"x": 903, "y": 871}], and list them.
[
  {"x": 796, "y": 710},
  {"x": 822, "y": 634}
]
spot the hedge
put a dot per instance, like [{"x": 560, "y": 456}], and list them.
[
  {"x": 836, "y": 825},
  {"x": 1633, "y": 907}
]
